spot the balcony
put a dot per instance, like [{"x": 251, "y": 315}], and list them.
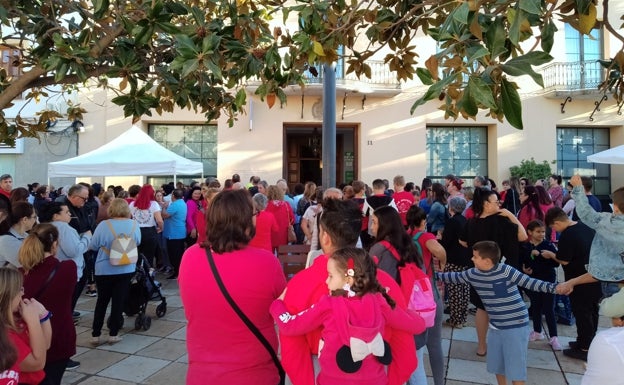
[
  {"x": 573, "y": 79},
  {"x": 382, "y": 83}
]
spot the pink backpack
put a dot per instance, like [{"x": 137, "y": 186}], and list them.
[{"x": 416, "y": 288}]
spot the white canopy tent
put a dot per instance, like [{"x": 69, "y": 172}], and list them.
[
  {"x": 613, "y": 155},
  {"x": 132, "y": 153}
]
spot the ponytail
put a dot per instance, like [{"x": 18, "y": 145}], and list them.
[
  {"x": 31, "y": 253},
  {"x": 40, "y": 241}
]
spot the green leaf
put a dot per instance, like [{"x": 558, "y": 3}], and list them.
[
  {"x": 461, "y": 13},
  {"x": 186, "y": 46},
  {"x": 100, "y": 7},
  {"x": 432, "y": 92},
  {"x": 189, "y": 66},
  {"x": 515, "y": 18},
  {"x": 512, "y": 106},
  {"x": 532, "y": 58},
  {"x": 496, "y": 38},
  {"x": 521, "y": 65},
  {"x": 476, "y": 52},
  {"x": 548, "y": 35},
  {"x": 424, "y": 75},
  {"x": 481, "y": 92},
  {"x": 168, "y": 28},
  {"x": 531, "y": 6}
]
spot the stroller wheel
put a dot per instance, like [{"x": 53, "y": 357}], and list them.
[
  {"x": 161, "y": 310},
  {"x": 138, "y": 322},
  {"x": 147, "y": 323}
]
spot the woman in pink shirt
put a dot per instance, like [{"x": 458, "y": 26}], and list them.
[{"x": 221, "y": 349}]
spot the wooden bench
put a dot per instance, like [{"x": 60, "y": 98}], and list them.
[{"x": 293, "y": 258}]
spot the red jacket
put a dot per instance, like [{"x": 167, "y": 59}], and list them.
[{"x": 304, "y": 290}]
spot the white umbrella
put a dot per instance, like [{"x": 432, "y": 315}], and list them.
[{"x": 611, "y": 156}]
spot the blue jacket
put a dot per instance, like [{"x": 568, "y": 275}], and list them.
[
  {"x": 103, "y": 238},
  {"x": 606, "y": 256}
]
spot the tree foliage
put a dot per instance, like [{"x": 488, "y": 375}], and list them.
[
  {"x": 531, "y": 170},
  {"x": 199, "y": 54}
]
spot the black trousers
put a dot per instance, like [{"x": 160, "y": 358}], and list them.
[
  {"x": 111, "y": 288},
  {"x": 149, "y": 244},
  {"x": 54, "y": 372},
  {"x": 175, "y": 249},
  {"x": 584, "y": 300}
]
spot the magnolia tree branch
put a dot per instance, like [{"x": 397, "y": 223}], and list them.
[{"x": 607, "y": 24}]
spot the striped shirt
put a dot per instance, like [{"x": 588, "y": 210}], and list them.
[{"x": 498, "y": 289}]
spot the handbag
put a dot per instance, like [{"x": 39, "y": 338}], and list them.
[
  {"x": 292, "y": 237},
  {"x": 254, "y": 329}
]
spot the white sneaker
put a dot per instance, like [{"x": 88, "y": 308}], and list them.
[
  {"x": 535, "y": 336},
  {"x": 554, "y": 342},
  {"x": 95, "y": 341}
]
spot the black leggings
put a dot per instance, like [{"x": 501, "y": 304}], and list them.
[
  {"x": 54, "y": 372},
  {"x": 111, "y": 288}
]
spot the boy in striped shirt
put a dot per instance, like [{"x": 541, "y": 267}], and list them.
[{"x": 497, "y": 285}]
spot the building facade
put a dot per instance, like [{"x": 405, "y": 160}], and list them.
[{"x": 376, "y": 136}]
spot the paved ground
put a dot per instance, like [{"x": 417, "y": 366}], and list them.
[{"x": 158, "y": 356}]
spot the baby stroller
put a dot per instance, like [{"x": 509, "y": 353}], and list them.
[{"x": 143, "y": 288}]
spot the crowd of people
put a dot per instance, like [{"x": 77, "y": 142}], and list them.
[{"x": 476, "y": 244}]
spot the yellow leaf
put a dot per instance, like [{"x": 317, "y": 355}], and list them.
[
  {"x": 475, "y": 28},
  {"x": 619, "y": 59},
  {"x": 318, "y": 49},
  {"x": 432, "y": 66},
  {"x": 123, "y": 84},
  {"x": 587, "y": 22}
]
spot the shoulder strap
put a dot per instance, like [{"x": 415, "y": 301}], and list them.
[
  {"x": 110, "y": 226},
  {"x": 244, "y": 318},
  {"x": 47, "y": 282},
  {"x": 391, "y": 248}
]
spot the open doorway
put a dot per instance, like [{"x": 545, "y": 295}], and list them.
[{"x": 303, "y": 153}]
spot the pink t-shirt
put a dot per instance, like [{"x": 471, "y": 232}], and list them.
[{"x": 221, "y": 349}]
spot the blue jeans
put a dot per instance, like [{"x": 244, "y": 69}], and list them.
[{"x": 419, "y": 377}]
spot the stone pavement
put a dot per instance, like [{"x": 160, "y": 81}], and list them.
[{"x": 158, "y": 356}]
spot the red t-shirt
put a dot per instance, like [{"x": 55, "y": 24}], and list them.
[
  {"x": 21, "y": 341},
  {"x": 11, "y": 376},
  {"x": 403, "y": 200},
  {"x": 266, "y": 230}
]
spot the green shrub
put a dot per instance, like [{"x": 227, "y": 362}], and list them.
[{"x": 531, "y": 170}]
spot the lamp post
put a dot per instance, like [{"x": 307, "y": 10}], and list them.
[{"x": 329, "y": 126}]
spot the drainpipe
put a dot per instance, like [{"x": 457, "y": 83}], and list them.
[{"x": 329, "y": 126}]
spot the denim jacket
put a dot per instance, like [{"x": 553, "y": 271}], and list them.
[{"x": 606, "y": 257}]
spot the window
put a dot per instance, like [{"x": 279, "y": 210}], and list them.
[
  {"x": 586, "y": 51},
  {"x": 461, "y": 151},
  {"x": 194, "y": 142},
  {"x": 574, "y": 145},
  {"x": 17, "y": 149},
  {"x": 11, "y": 61}
]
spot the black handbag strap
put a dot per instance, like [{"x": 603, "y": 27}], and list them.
[
  {"x": 254, "y": 329},
  {"x": 47, "y": 282}
]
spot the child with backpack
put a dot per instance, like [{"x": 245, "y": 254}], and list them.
[
  {"x": 434, "y": 259},
  {"x": 354, "y": 317},
  {"x": 534, "y": 264},
  {"x": 497, "y": 285},
  {"x": 398, "y": 256}
]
